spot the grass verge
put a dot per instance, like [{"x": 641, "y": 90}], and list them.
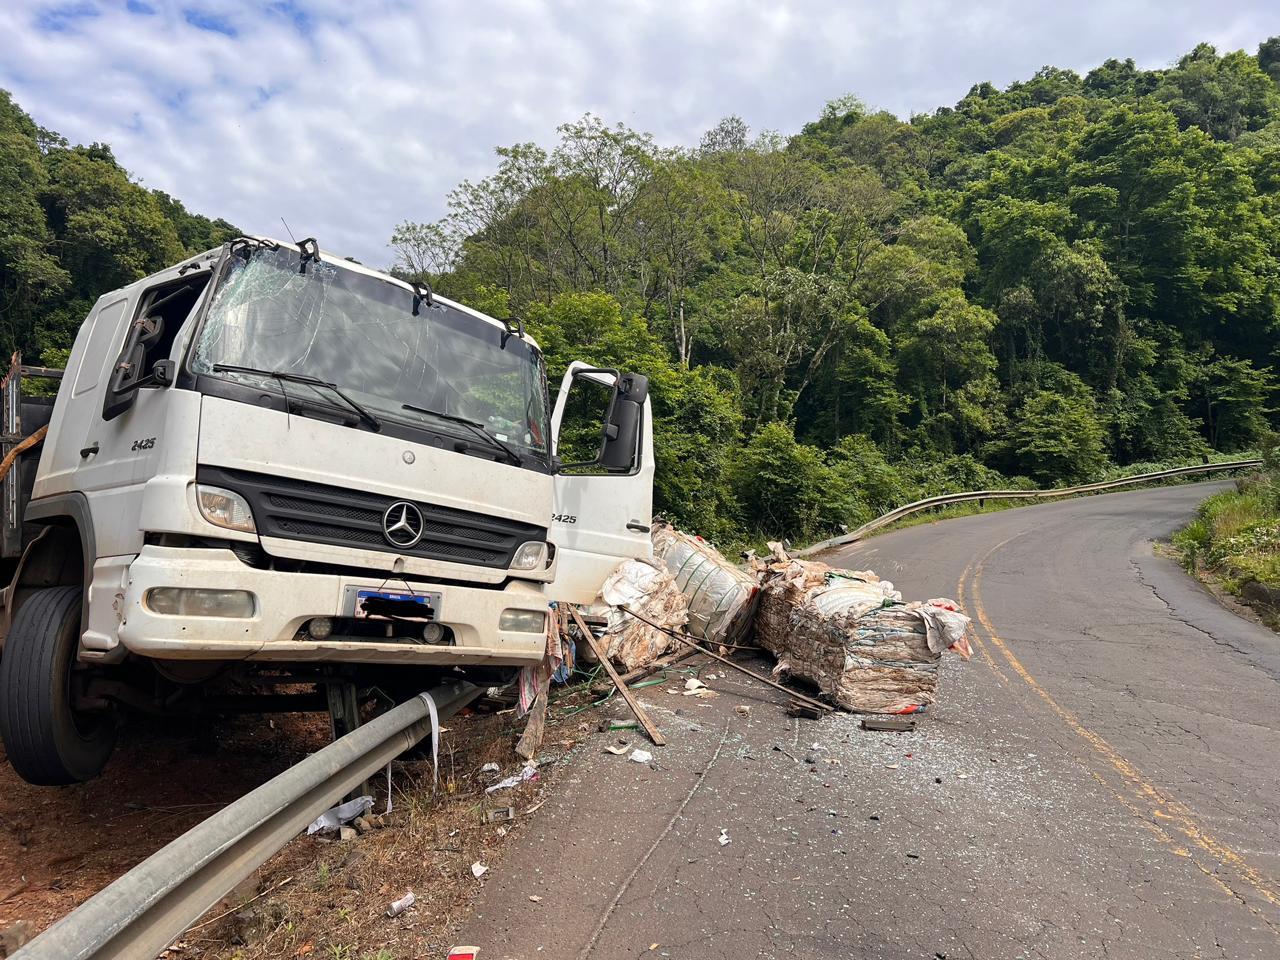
[{"x": 1234, "y": 543}]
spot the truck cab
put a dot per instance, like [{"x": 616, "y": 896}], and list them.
[{"x": 267, "y": 457}]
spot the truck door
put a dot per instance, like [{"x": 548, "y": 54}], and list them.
[
  {"x": 126, "y": 429},
  {"x": 602, "y": 429}
]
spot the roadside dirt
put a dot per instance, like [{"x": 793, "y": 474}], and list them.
[
  {"x": 60, "y": 845},
  {"x": 322, "y": 897},
  {"x": 319, "y": 896}
]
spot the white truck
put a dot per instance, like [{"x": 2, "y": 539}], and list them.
[{"x": 273, "y": 467}]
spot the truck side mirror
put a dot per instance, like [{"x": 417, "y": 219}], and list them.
[
  {"x": 622, "y": 430},
  {"x": 602, "y": 420}
]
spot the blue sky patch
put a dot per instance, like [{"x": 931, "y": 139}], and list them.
[
  {"x": 138, "y": 7},
  {"x": 63, "y": 18},
  {"x": 208, "y": 21}
]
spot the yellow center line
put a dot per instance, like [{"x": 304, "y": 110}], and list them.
[
  {"x": 977, "y": 640},
  {"x": 1161, "y": 806}
]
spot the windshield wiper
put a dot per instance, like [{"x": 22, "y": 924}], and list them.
[
  {"x": 359, "y": 409},
  {"x": 478, "y": 428}
]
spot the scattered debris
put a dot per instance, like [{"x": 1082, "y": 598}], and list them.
[
  {"x": 490, "y": 768},
  {"x": 804, "y": 711},
  {"x": 500, "y": 814},
  {"x": 346, "y": 833},
  {"x": 400, "y": 906},
  {"x": 617, "y": 749},
  {"x": 742, "y": 710},
  {"x": 534, "y": 898},
  {"x": 608, "y": 726},
  {"x": 649, "y": 726},
  {"x": 723, "y": 839},
  {"x": 526, "y": 773},
  {"x": 343, "y": 813},
  {"x": 640, "y": 756},
  {"x": 897, "y": 724},
  {"x": 478, "y": 869}
]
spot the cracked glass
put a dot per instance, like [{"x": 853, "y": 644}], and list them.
[{"x": 361, "y": 333}]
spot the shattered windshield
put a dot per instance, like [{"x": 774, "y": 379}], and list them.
[{"x": 361, "y": 333}]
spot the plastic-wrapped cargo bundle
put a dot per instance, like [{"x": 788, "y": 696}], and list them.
[
  {"x": 850, "y": 634},
  {"x": 722, "y": 598},
  {"x": 650, "y": 591}
]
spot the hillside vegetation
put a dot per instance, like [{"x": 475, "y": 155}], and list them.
[
  {"x": 1036, "y": 286},
  {"x": 1041, "y": 282},
  {"x": 73, "y": 225}
]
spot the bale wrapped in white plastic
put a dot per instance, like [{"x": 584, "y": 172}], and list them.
[
  {"x": 651, "y": 592},
  {"x": 722, "y": 598}
]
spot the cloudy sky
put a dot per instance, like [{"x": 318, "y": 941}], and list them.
[{"x": 347, "y": 116}]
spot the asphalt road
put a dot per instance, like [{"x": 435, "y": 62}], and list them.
[{"x": 1101, "y": 780}]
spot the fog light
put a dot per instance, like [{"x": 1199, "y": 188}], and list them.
[
  {"x": 320, "y": 628},
  {"x": 529, "y": 555},
  {"x": 523, "y": 621},
  {"x": 225, "y": 508},
  {"x": 182, "y": 602},
  {"x": 432, "y": 632}
]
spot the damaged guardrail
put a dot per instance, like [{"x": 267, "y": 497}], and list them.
[
  {"x": 947, "y": 499},
  {"x": 142, "y": 912}
]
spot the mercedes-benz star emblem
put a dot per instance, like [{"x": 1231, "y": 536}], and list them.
[{"x": 402, "y": 524}]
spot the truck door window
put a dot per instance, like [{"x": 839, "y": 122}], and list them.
[
  {"x": 161, "y": 313},
  {"x": 580, "y": 437}
]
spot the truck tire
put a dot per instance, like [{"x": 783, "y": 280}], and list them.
[{"x": 49, "y": 743}]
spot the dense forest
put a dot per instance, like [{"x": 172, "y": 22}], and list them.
[
  {"x": 1038, "y": 285},
  {"x": 1032, "y": 287}
]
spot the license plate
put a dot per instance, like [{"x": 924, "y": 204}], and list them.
[{"x": 387, "y": 605}]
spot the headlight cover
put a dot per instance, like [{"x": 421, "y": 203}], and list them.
[
  {"x": 225, "y": 508},
  {"x": 530, "y": 555},
  {"x": 523, "y": 621},
  {"x": 188, "y": 602}
]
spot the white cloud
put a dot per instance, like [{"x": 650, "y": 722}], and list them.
[{"x": 345, "y": 118}]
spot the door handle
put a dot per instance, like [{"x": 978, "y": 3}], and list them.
[
  {"x": 89, "y": 451},
  {"x": 637, "y": 527}
]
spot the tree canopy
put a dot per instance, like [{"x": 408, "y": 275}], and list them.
[{"x": 1031, "y": 286}]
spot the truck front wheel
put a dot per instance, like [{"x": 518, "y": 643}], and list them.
[{"x": 49, "y": 742}]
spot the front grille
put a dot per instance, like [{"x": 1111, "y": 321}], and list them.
[{"x": 317, "y": 513}]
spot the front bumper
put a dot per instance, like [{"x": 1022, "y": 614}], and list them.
[{"x": 285, "y": 601}]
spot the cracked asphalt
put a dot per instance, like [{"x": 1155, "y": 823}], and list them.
[{"x": 1099, "y": 781}]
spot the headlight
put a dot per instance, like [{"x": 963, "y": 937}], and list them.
[
  {"x": 523, "y": 621},
  {"x": 184, "y": 602},
  {"x": 225, "y": 508},
  {"x": 530, "y": 555}
]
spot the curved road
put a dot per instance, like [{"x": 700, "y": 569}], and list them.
[{"x": 1101, "y": 780}]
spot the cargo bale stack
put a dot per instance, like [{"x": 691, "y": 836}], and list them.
[{"x": 850, "y": 634}]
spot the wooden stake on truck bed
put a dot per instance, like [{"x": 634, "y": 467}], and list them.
[{"x": 649, "y": 726}]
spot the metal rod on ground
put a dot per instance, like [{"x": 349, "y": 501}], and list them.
[
  {"x": 603, "y": 656},
  {"x": 817, "y": 704}
]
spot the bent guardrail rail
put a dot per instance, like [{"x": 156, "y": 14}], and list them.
[
  {"x": 947, "y": 499},
  {"x": 141, "y": 913}
]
